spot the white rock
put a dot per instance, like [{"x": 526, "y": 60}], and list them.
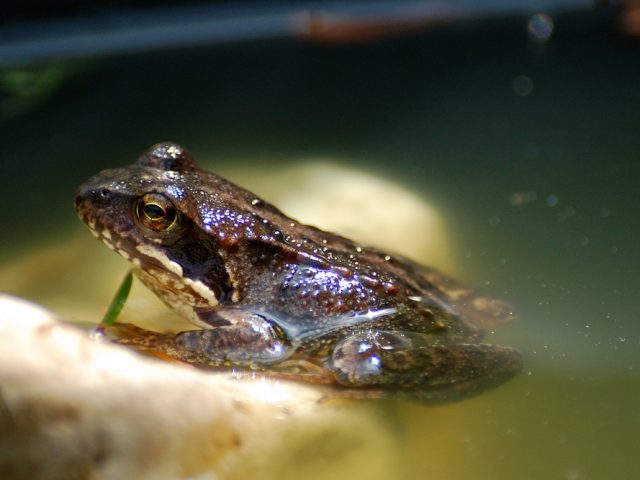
[{"x": 71, "y": 407}]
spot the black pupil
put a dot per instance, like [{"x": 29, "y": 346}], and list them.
[{"x": 153, "y": 211}]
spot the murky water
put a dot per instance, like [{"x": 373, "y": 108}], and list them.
[{"x": 529, "y": 151}]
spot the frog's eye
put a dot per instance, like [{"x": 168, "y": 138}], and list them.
[{"x": 156, "y": 212}]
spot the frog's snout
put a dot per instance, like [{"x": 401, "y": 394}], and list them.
[
  {"x": 81, "y": 203},
  {"x": 90, "y": 198},
  {"x": 81, "y": 195}
]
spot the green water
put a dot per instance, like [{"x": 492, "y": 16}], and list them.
[{"x": 539, "y": 194}]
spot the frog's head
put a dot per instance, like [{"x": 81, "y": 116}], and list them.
[{"x": 163, "y": 214}]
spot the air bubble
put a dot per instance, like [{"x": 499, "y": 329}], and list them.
[
  {"x": 522, "y": 85},
  {"x": 552, "y": 200},
  {"x": 540, "y": 27}
]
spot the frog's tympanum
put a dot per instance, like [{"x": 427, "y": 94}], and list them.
[{"x": 287, "y": 299}]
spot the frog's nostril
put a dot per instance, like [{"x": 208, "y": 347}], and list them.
[
  {"x": 87, "y": 197},
  {"x": 99, "y": 196}
]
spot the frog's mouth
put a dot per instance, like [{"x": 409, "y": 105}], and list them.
[
  {"x": 97, "y": 227},
  {"x": 159, "y": 273},
  {"x": 152, "y": 266},
  {"x": 162, "y": 276}
]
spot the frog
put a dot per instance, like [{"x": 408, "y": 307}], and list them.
[{"x": 270, "y": 295}]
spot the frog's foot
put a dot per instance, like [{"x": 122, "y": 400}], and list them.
[
  {"x": 405, "y": 364},
  {"x": 249, "y": 341}
]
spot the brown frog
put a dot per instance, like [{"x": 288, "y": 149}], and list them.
[{"x": 277, "y": 296}]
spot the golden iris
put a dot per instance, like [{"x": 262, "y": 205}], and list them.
[{"x": 156, "y": 212}]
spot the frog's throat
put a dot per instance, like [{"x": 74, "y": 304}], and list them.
[{"x": 180, "y": 294}]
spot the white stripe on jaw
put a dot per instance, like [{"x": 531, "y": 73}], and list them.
[
  {"x": 107, "y": 243},
  {"x": 123, "y": 253},
  {"x": 202, "y": 290},
  {"x": 196, "y": 285},
  {"x": 235, "y": 295},
  {"x": 167, "y": 263}
]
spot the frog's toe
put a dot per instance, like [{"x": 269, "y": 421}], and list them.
[{"x": 129, "y": 334}]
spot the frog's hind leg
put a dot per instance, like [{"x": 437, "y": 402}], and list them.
[{"x": 409, "y": 364}]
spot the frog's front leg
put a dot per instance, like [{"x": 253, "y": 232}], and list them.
[
  {"x": 415, "y": 362},
  {"x": 237, "y": 337}
]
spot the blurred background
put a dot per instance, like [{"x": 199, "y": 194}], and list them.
[{"x": 517, "y": 120}]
